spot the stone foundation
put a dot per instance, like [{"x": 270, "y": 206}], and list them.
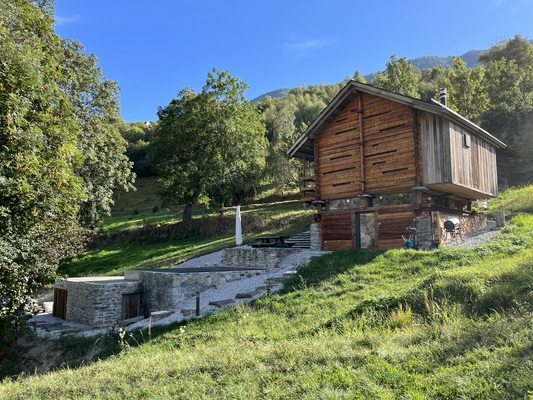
[{"x": 316, "y": 241}]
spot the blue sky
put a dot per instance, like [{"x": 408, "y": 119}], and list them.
[{"x": 156, "y": 48}]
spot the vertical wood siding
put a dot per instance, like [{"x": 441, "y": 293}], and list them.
[
  {"x": 452, "y": 155},
  {"x": 59, "y": 309}
]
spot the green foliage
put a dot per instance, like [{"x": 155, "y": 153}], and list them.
[
  {"x": 209, "y": 145},
  {"x": 400, "y": 76},
  {"x": 60, "y": 157},
  {"x": 286, "y": 119},
  {"x": 139, "y": 135},
  {"x": 467, "y": 92}
]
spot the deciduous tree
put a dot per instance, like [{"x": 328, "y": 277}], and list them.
[
  {"x": 210, "y": 144},
  {"x": 59, "y": 158}
]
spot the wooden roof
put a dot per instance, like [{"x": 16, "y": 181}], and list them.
[{"x": 304, "y": 145}]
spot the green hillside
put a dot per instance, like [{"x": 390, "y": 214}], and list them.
[{"x": 452, "y": 323}]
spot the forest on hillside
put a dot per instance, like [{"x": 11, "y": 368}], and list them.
[{"x": 497, "y": 94}]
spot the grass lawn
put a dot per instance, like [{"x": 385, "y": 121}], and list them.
[
  {"x": 401, "y": 324},
  {"x": 452, "y": 323}
]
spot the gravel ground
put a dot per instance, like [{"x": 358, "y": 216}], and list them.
[{"x": 477, "y": 238}]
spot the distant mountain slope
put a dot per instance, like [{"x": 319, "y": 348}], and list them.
[
  {"x": 470, "y": 58},
  {"x": 274, "y": 93}
]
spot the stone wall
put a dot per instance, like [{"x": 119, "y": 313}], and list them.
[
  {"x": 424, "y": 232},
  {"x": 316, "y": 242},
  {"x": 268, "y": 257},
  {"x": 96, "y": 302},
  {"x": 166, "y": 290}
]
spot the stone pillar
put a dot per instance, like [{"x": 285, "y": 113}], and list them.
[
  {"x": 316, "y": 242},
  {"x": 424, "y": 232},
  {"x": 500, "y": 219}
]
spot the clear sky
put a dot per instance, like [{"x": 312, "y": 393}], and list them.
[{"x": 155, "y": 48}]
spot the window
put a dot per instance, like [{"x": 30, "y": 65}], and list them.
[{"x": 466, "y": 140}]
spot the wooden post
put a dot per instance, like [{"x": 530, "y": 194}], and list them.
[
  {"x": 416, "y": 144},
  {"x": 361, "y": 141},
  {"x": 500, "y": 219}
]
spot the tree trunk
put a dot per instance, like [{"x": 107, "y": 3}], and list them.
[{"x": 187, "y": 213}]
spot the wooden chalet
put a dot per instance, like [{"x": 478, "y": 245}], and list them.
[{"x": 377, "y": 162}]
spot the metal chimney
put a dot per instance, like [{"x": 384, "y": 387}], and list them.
[{"x": 442, "y": 94}]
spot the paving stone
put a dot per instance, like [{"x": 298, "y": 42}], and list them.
[
  {"x": 187, "y": 312},
  {"x": 157, "y": 315},
  {"x": 247, "y": 295},
  {"x": 221, "y": 303}
]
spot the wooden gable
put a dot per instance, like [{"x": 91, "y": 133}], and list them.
[{"x": 369, "y": 147}]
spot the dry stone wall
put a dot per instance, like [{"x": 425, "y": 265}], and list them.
[
  {"x": 269, "y": 257},
  {"x": 165, "y": 291}
]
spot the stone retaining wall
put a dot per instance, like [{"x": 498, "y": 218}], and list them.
[
  {"x": 165, "y": 291},
  {"x": 269, "y": 257},
  {"x": 316, "y": 241}
]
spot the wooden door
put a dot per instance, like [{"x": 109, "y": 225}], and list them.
[
  {"x": 60, "y": 303},
  {"x": 131, "y": 305}
]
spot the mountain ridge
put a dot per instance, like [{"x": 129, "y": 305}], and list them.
[{"x": 423, "y": 62}]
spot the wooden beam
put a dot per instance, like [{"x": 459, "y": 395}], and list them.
[
  {"x": 418, "y": 179},
  {"x": 361, "y": 141}
]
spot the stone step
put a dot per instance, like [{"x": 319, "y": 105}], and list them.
[
  {"x": 221, "y": 303},
  {"x": 157, "y": 315},
  {"x": 300, "y": 241},
  {"x": 289, "y": 274},
  {"x": 187, "y": 312},
  {"x": 247, "y": 295},
  {"x": 274, "y": 281}
]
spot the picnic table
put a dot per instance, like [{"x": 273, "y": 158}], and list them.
[{"x": 271, "y": 241}]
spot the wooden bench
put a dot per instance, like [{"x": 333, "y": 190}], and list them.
[{"x": 271, "y": 241}]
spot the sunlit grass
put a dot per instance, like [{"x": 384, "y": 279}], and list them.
[
  {"x": 452, "y": 323},
  {"x": 401, "y": 324}
]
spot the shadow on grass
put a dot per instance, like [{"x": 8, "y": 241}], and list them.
[{"x": 329, "y": 266}]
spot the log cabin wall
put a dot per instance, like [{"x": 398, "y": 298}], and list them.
[
  {"x": 370, "y": 146},
  {"x": 373, "y": 153}
]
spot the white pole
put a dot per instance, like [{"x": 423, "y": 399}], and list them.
[{"x": 238, "y": 226}]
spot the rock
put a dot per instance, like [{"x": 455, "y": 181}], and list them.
[
  {"x": 247, "y": 295},
  {"x": 157, "y": 315},
  {"x": 221, "y": 303}
]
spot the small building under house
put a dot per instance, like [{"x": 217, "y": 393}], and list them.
[{"x": 377, "y": 162}]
